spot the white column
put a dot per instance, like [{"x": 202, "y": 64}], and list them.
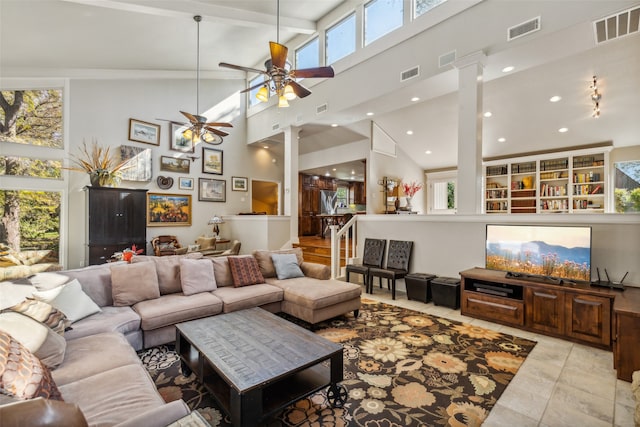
[
  {"x": 291, "y": 179},
  {"x": 469, "y": 189}
]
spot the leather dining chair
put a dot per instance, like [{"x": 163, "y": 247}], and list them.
[
  {"x": 398, "y": 259},
  {"x": 373, "y": 256}
]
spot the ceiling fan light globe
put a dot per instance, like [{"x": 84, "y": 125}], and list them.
[
  {"x": 282, "y": 102},
  {"x": 207, "y": 137},
  {"x": 187, "y": 134},
  {"x": 263, "y": 94},
  {"x": 289, "y": 93}
]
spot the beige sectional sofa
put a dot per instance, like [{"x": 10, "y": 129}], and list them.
[{"x": 101, "y": 372}]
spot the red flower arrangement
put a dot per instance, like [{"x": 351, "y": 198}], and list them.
[
  {"x": 411, "y": 188},
  {"x": 127, "y": 254}
]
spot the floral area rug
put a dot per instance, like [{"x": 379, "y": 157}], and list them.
[{"x": 401, "y": 368}]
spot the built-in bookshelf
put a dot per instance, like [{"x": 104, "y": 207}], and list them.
[{"x": 554, "y": 183}]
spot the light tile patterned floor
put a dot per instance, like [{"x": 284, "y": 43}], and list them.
[{"x": 560, "y": 384}]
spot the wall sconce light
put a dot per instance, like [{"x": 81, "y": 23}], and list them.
[{"x": 595, "y": 97}]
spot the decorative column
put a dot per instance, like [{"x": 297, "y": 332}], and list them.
[
  {"x": 291, "y": 179},
  {"x": 469, "y": 188}
]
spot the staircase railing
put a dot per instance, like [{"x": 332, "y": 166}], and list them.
[{"x": 348, "y": 232}]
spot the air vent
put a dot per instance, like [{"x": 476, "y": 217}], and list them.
[
  {"x": 322, "y": 108},
  {"x": 275, "y": 126},
  {"x": 618, "y": 25},
  {"x": 446, "y": 59},
  {"x": 410, "y": 73},
  {"x": 523, "y": 29}
]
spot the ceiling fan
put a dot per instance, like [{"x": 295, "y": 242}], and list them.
[
  {"x": 199, "y": 127},
  {"x": 279, "y": 77}
]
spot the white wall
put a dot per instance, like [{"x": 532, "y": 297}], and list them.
[
  {"x": 258, "y": 231},
  {"x": 101, "y": 109}
]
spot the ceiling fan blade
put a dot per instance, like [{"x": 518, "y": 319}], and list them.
[
  {"x": 219, "y": 124},
  {"x": 216, "y": 131},
  {"x": 278, "y": 54},
  {"x": 314, "y": 72},
  {"x": 299, "y": 90},
  {"x": 190, "y": 116},
  {"x": 241, "y": 68}
]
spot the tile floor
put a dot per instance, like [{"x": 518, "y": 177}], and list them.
[{"x": 559, "y": 384}]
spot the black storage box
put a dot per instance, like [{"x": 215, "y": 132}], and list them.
[
  {"x": 446, "y": 292},
  {"x": 418, "y": 286}
]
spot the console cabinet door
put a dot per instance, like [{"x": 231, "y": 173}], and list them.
[
  {"x": 544, "y": 310},
  {"x": 588, "y": 318}
]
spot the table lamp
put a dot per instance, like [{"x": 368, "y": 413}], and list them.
[{"x": 215, "y": 220}]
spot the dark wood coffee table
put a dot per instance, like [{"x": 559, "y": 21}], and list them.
[{"x": 255, "y": 363}]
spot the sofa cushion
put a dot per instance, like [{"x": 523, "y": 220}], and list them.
[
  {"x": 44, "y": 313},
  {"x": 176, "y": 308},
  {"x": 222, "y": 271},
  {"x": 93, "y": 354},
  {"x": 315, "y": 293},
  {"x": 266, "y": 263},
  {"x": 286, "y": 266},
  {"x": 245, "y": 270},
  {"x": 132, "y": 283},
  {"x": 22, "y": 375},
  {"x": 110, "y": 319},
  {"x": 235, "y": 299},
  {"x": 115, "y": 396},
  {"x": 94, "y": 279},
  {"x": 168, "y": 269},
  {"x": 39, "y": 339},
  {"x": 196, "y": 275},
  {"x": 70, "y": 299}
]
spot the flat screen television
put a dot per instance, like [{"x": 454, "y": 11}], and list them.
[{"x": 562, "y": 253}]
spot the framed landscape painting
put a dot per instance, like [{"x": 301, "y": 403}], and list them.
[
  {"x": 177, "y": 141},
  {"x": 138, "y": 163},
  {"x": 174, "y": 164},
  {"x": 168, "y": 209},
  {"x": 239, "y": 183},
  {"x": 211, "y": 161},
  {"x": 185, "y": 183},
  {"x": 212, "y": 190},
  {"x": 146, "y": 132}
]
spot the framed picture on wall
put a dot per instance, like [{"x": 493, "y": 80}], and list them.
[
  {"x": 138, "y": 163},
  {"x": 168, "y": 209},
  {"x": 177, "y": 140},
  {"x": 146, "y": 132},
  {"x": 185, "y": 183},
  {"x": 174, "y": 164},
  {"x": 212, "y": 190},
  {"x": 211, "y": 161},
  {"x": 239, "y": 183}
]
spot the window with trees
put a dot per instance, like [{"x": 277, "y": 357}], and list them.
[
  {"x": 341, "y": 39},
  {"x": 441, "y": 193},
  {"x": 627, "y": 186},
  {"x": 424, "y": 6},
  {"x": 381, "y": 17},
  {"x": 29, "y": 216}
]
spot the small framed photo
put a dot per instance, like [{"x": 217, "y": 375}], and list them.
[
  {"x": 177, "y": 141},
  {"x": 168, "y": 209},
  {"x": 174, "y": 164},
  {"x": 211, "y": 161},
  {"x": 239, "y": 183},
  {"x": 212, "y": 190},
  {"x": 146, "y": 132},
  {"x": 185, "y": 183}
]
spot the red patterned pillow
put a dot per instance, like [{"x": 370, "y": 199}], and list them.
[
  {"x": 22, "y": 375},
  {"x": 245, "y": 271}
]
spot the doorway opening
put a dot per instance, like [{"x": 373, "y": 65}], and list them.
[{"x": 265, "y": 197}]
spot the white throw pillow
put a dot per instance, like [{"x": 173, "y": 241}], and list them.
[
  {"x": 48, "y": 280},
  {"x": 69, "y": 299}
]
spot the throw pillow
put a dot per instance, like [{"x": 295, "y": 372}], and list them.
[
  {"x": 222, "y": 272},
  {"x": 286, "y": 266},
  {"x": 22, "y": 375},
  {"x": 69, "y": 299},
  {"x": 132, "y": 283},
  {"x": 48, "y": 280},
  {"x": 196, "y": 275},
  {"x": 266, "y": 263},
  {"x": 44, "y": 313},
  {"x": 245, "y": 271},
  {"x": 41, "y": 340}
]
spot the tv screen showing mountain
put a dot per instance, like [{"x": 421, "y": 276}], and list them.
[{"x": 561, "y": 252}]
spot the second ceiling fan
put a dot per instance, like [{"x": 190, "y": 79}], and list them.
[{"x": 280, "y": 78}]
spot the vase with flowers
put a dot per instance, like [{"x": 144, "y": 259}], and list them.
[
  {"x": 103, "y": 168},
  {"x": 410, "y": 189},
  {"x": 127, "y": 254}
]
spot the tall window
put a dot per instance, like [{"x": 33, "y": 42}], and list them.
[
  {"x": 308, "y": 56},
  {"x": 30, "y": 219},
  {"x": 441, "y": 196},
  {"x": 423, "y": 6},
  {"x": 341, "y": 39},
  {"x": 627, "y": 183},
  {"x": 381, "y": 17},
  {"x": 252, "y": 93}
]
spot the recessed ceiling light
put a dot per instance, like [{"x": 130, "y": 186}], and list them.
[
  {"x": 370, "y": 113},
  {"x": 334, "y": 125},
  {"x": 502, "y": 139},
  {"x": 415, "y": 99},
  {"x": 327, "y": 174},
  {"x": 427, "y": 152},
  {"x": 266, "y": 147},
  {"x": 508, "y": 69},
  {"x": 353, "y": 172},
  {"x": 488, "y": 114},
  {"x": 409, "y": 132},
  {"x": 555, "y": 98},
  {"x": 334, "y": 169},
  {"x": 563, "y": 130}
]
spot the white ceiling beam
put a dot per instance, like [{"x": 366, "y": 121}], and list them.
[{"x": 222, "y": 14}]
